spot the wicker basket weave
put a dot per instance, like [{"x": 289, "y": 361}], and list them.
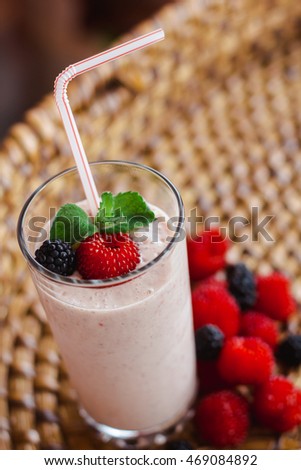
[{"x": 216, "y": 107}]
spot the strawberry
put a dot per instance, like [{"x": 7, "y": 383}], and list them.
[{"x": 103, "y": 256}]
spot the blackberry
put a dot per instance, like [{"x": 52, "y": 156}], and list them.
[
  {"x": 289, "y": 351},
  {"x": 57, "y": 256},
  {"x": 209, "y": 342},
  {"x": 242, "y": 285},
  {"x": 178, "y": 445}
]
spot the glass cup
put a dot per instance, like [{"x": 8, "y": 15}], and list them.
[{"x": 128, "y": 342}]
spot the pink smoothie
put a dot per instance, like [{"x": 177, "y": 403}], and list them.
[{"x": 129, "y": 348}]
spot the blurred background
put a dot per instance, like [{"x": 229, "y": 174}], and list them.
[{"x": 38, "y": 38}]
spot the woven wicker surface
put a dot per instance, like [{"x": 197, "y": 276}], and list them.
[{"x": 215, "y": 107}]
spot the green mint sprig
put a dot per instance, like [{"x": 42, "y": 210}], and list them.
[
  {"x": 124, "y": 212},
  {"x": 71, "y": 224}
]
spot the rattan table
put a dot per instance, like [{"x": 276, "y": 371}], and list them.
[{"x": 216, "y": 107}]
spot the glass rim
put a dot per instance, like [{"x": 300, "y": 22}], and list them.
[{"x": 98, "y": 282}]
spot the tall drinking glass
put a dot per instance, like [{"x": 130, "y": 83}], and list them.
[{"x": 127, "y": 342}]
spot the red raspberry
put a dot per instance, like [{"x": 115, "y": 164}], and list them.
[
  {"x": 213, "y": 304},
  {"x": 213, "y": 281},
  {"x": 209, "y": 377},
  {"x": 277, "y": 404},
  {"x": 222, "y": 418},
  {"x": 103, "y": 256},
  {"x": 206, "y": 254},
  {"x": 245, "y": 361},
  {"x": 260, "y": 326},
  {"x": 274, "y": 297}
]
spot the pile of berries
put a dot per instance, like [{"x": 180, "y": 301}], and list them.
[{"x": 240, "y": 344}]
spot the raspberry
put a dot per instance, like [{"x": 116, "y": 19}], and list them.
[
  {"x": 206, "y": 254},
  {"x": 209, "y": 377},
  {"x": 289, "y": 351},
  {"x": 213, "y": 304},
  {"x": 57, "y": 256},
  {"x": 209, "y": 341},
  {"x": 274, "y": 297},
  {"x": 258, "y": 325},
  {"x": 103, "y": 256},
  {"x": 247, "y": 361},
  {"x": 214, "y": 282},
  {"x": 222, "y": 418},
  {"x": 277, "y": 404},
  {"x": 241, "y": 284}
]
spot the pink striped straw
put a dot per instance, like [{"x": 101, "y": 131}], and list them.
[{"x": 61, "y": 98}]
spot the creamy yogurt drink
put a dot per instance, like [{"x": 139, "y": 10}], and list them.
[{"x": 127, "y": 342}]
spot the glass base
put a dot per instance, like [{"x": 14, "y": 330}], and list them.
[{"x": 128, "y": 439}]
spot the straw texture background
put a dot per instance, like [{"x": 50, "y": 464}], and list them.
[{"x": 216, "y": 107}]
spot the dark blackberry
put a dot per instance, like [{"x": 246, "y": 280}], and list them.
[
  {"x": 289, "y": 351},
  {"x": 178, "y": 445},
  {"x": 242, "y": 285},
  {"x": 57, "y": 256},
  {"x": 209, "y": 341}
]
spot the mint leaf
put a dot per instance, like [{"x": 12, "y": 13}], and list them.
[
  {"x": 71, "y": 224},
  {"x": 106, "y": 208},
  {"x": 123, "y": 213}
]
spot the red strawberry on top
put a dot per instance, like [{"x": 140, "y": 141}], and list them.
[
  {"x": 274, "y": 297},
  {"x": 103, "y": 256},
  {"x": 206, "y": 254}
]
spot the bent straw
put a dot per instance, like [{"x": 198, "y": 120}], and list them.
[{"x": 61, "y": 98}]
